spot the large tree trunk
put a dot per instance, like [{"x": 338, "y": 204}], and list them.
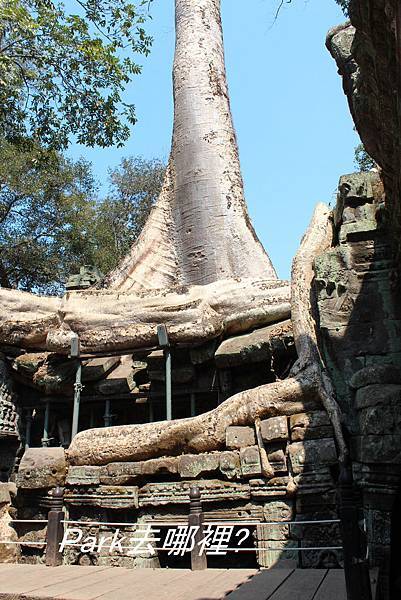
[
  {"x": 199, "y": 231},
  {"x": 198, "y": 266},
  {"x": 307, "y": 384}
]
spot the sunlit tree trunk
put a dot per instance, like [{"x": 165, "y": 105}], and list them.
[{"x": 199, "y": 232}]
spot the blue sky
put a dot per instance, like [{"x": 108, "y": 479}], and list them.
[{"x": 294, "y": 130}]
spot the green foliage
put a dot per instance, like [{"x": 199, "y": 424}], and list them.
[
  {"x": 363, "y": 161},
  {"x": 51, "y": 221},
  {"x": 135, "y": 186},
  {"x": 344, "y": 5},
  {"x": 46, "y": 206},
  {"x": 62, "y": 71}
]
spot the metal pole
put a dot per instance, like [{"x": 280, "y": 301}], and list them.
[
  {"x": 107, "y": 414},
  {"x": 77, "y": 399},
  {"x": 150, "y": 406},
  {"x": 28, "y": 425},
  {"x": 45, "y": 438},
  {"x": 193, "y": 404},
  {"x": 169, "y": 408}
]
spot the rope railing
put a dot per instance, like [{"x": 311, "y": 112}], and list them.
[
  {"x": 198, "y": 524},
  {"x": 354, "y": 547}
]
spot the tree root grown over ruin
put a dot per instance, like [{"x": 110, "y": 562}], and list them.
[{"x": 307, "y": 384}]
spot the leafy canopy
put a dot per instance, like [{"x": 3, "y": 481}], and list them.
[
  {"x": 63, "y": 69},
  {"x": 52, "y": 222}
]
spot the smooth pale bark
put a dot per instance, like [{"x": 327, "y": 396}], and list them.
[
  {"x": 206, "y": 432},
  {"x": 199, "y": 231},
  {"x": 108, "y": 320}
]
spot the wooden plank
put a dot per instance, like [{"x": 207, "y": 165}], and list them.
[
  {"x": 262, "y": 585},
  {"x": 212, "y": 584},
  {"x": 152, "y": 584},
  {"x": 301, "y": 585},
  {"x": 47, "y": 578},
  {"x": 333, "y": 586}
]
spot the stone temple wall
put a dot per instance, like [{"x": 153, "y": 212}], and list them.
[
  {"x": 360, "y": 324},
  {"x": 232, "y": 483}
]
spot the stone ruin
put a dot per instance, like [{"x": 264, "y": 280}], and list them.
[
  {"x": 280, "y": 467},
  {"x": 360, "y": 339}
]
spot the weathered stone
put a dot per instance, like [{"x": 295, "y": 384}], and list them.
[
  {"x": 88, "y": 276},
  {"x": 380, "y": 420},
  {"x": 212, "y": 490},
  {"x": 83, "y": 476},
  {"x": 312, "y": 453},
  {"x": 97, "y": 368},
  {"x": 8, "y": 413},
  {"x": 277, "y": 460},
  {"x": 250, "y": 461},
  {"x": 120, "y": 473},
  {"x": 27, "y": 364},
  {"x": 120, "y": 380},
  {"x": 261, "y": 488},
  {"x": 273, "y": 552},
  {"x": 274, "y": 429},
  {"x": 203, "y": 353},
  {"x": 5, "y": 497},
  {"x": 42, "y": 468},
  {"x": 197, "y": 464},
  {"x": 282, "y": 510},
  {"x": 382, "y": 374},
  {"x": 239, "y": 437},
  {"x": 377, "y": 394},
  {"x": 9, "y": 553},
  {"x": 310, "y": 426},
  {"x": 255, "y": 347},
  {"x": 160, "y": 466},
  {"x": 56, "y": 376},
  {"x": 179, "y": 374},
  {"x": 230, "y": 464},
  {"x": 385, "y": 449},
  {"x": 104, "y": 496}
]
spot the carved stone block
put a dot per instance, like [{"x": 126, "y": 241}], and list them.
[
  {"x": 87, "y": 475},
  {"x": 278, "y": 460},
  {"x": 104, "y": 496},
  {"x": 261, "y": 489},
  {"x": 250, "y": 462},
  {"x": 42, "y": 468},
  {"x": 120, "y": 473},
  {"x": 255, "y": 347},
  {"x": 310, "y": 426},
  {"x": 196, "y": 464},
  {"x": 239, "y": 437},
  {"x": 312, "y": 453},
  {"x": 177, "y": 492},
  {"x": 271, "y": 552},
  {"x": 230, "y": 464},
  {"x": 160, "y": 466},
  {"x": 97, "y": 368},
  {"x": 282, "y": 510},
  {"x": 274, "y": 429}
]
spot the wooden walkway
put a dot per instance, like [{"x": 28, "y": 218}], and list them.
[{"x": 31, "y": 582}]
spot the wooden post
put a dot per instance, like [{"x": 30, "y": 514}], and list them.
[
  {"x": 356, "y": 565},
  {"x": 55, "y": 528},
  {"x": 195, "y": 518}
]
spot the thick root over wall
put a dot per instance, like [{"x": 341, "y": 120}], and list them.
[{"x": 307, "y": 384}]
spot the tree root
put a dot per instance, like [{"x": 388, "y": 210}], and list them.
[{"x": 307, "y": 385}]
